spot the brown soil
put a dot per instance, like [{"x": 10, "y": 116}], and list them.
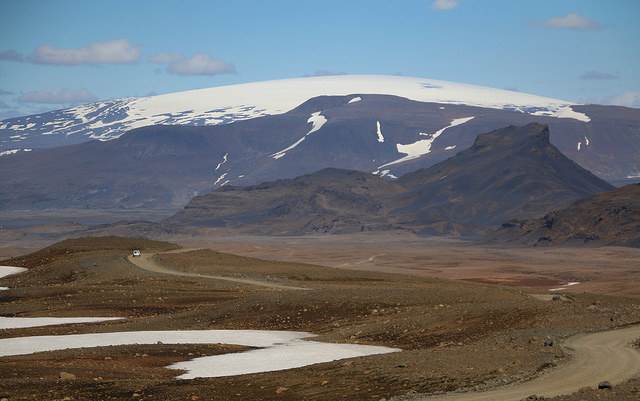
[{"x": 454, "y": 334}]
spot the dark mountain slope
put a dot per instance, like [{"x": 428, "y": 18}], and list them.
[
  {"x": 608, "y": 218},
  {"x": 165, "y": 166},
  {"x": 330, "y": 200},
  {"x": 510, "y": 172}
]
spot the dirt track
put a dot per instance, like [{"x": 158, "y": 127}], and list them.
[
  {"x": 146, "y": 262},
  {"x": 607, "y": 355}
]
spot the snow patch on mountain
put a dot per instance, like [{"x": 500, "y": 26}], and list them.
[
  {"x": 9, "y": 152},
  {"x": 355, "y": 99},
  {"x": 224, "y": 160},
  {"x": 220, "y": 178},
  {"x": 379, "y": 132},
  {"x": 423, "y": 146},
  {"x": 317, "y": 120}
]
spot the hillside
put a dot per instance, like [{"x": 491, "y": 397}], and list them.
[
  {"x": 514, "y": 171},
  {"x": 608, "y": 218}
]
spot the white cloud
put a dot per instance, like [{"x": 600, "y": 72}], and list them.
[
  {"x": 118, "y": 51},
  {"x": 445, "y": 4},
  {"x": 628, "y": 99},
  {"x": 61, "y": 96},
  {"x": 198, "y": 64},
  {"x": 572, "y": 21}
]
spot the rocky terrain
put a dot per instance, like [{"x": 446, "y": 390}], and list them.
[
  {"x": 454, "y": 335},
  {"x": 608, "y": 218},
  {"x": 507, "y": 173}
]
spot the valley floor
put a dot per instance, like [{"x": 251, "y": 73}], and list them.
[{"x": 467, "y": 334}]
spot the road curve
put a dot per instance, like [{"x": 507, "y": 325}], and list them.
[
  {"x": 607, "y": 355},
  {"x": 146, "y": 262}
]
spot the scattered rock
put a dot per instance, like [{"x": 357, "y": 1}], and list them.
[
  {"x": 281, "y": 390},
  {"x": 605, "y": 385},
  {"x": 66, "y": 376},
  {"x": 548, "y": 342}
]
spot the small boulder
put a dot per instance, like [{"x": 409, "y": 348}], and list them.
[
  {"x": 66, "y": 376},
  {"x": 605, "y": 385}
]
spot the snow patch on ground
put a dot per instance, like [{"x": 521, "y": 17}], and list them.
[
  {"x": 355, "y": 99},
  {"x": 317, "y": 120},
  {"x": 423, "y": 146},
  {"x": 24, "y": 322},
  {"x": 450, "y": 147},
  {"x": 564, "y": 287},
  {"x": 579, "y": 146},
  {"x": 9, "y": 270},
  {"x": 379, "y": 132},
  {"x": 278, "y": 350}
]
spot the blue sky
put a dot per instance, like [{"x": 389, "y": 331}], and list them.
[{"x": 57, "y": 53}]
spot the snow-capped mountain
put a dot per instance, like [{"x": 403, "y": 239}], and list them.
[
  {"x": 108, "y": 120},
  {"x": 190, "y": 143}
]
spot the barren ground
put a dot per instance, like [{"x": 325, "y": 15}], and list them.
[{"x": 454, "y": 334}]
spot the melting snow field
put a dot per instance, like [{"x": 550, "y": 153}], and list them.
[{"x": 278, "y": 350}]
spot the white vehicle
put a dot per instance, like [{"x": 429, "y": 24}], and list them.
[{"x": 136, "y": 252}]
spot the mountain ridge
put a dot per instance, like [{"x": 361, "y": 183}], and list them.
[
  {"x": 527, "y": 177},
  {"x": 149, "y": 167}
]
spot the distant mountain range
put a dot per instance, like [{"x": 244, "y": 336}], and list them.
[
  {"x": 609, "y": 218},
  {"x": 513, "y": 172},
  {"x": 164, "y": 166}
]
